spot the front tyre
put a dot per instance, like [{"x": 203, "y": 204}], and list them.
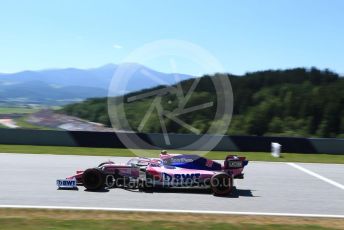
[
  {"x": 221, "y": 184},
  {"x": 93, "y": 179}
]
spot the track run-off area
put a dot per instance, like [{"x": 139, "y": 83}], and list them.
[{"x": 269, "y": 188}]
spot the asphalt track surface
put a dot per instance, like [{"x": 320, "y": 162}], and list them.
[{"x": 29, "y": 180}]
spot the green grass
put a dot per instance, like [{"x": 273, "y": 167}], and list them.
[
  {"x": 218, "y": 155},
  {"x": 84, "y": 224},
  {"x": 73, "y": 219},
  {"x": 10, "y": 110}
]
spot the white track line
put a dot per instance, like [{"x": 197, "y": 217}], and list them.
[
  {"x": 317, "y": 175},
  {"x": 171, "y": 211}
]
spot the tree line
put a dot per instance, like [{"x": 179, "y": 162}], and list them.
[{"x": 291, "y": 102}]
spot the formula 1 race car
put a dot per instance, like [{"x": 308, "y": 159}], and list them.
[{"x": 170, "y": 170}]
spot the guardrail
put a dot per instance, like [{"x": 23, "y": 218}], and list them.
[{"x": 112, "y": 140}]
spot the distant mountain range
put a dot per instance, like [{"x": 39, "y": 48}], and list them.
[{"x": 62, "y": 86}]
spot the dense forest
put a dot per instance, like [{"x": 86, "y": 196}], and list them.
[{"x": 292, "y": 102}]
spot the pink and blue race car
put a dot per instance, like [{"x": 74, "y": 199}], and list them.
[{"x": 168, "y": 171}]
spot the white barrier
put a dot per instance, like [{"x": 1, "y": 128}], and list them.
[{"x": 276, "y": 149}]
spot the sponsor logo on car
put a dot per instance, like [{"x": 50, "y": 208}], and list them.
[
  {"x": 180, "y": 178},
  {"x": 235, "y": 164},
  {"x": 66, "y": 183}
]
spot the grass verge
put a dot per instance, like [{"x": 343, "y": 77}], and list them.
[
  {"x": 66, "y": 219},
  {"x": 10, "y": 110},
  {"x": 217, "y": 155}
]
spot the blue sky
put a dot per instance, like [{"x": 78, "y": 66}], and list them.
[{"x": 242, "y": 35}]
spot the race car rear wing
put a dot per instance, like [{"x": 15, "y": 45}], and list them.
[{"x": 235, "y": 165}]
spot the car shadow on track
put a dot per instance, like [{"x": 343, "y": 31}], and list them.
[
  {"x": 236, "y": 193},
  {"x": 99, "y": 191},
  {"x": 69, "y": 189}
]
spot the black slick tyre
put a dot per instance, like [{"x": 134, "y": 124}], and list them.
[
  {"x": 221, "y": 184},
  {"x": 93, "y": 179}
]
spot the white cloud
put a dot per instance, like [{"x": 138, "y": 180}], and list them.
[{"x": 117, "y": 46}]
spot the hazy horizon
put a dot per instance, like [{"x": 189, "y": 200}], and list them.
[{"x": 149, "y": 67}]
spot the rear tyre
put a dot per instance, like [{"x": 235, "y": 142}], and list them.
[
  {"x": 93, "y": 179},
  {"x": 221, "y": 184}
]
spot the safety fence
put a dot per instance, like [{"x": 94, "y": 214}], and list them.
[{"x": 177, "y": 141}]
